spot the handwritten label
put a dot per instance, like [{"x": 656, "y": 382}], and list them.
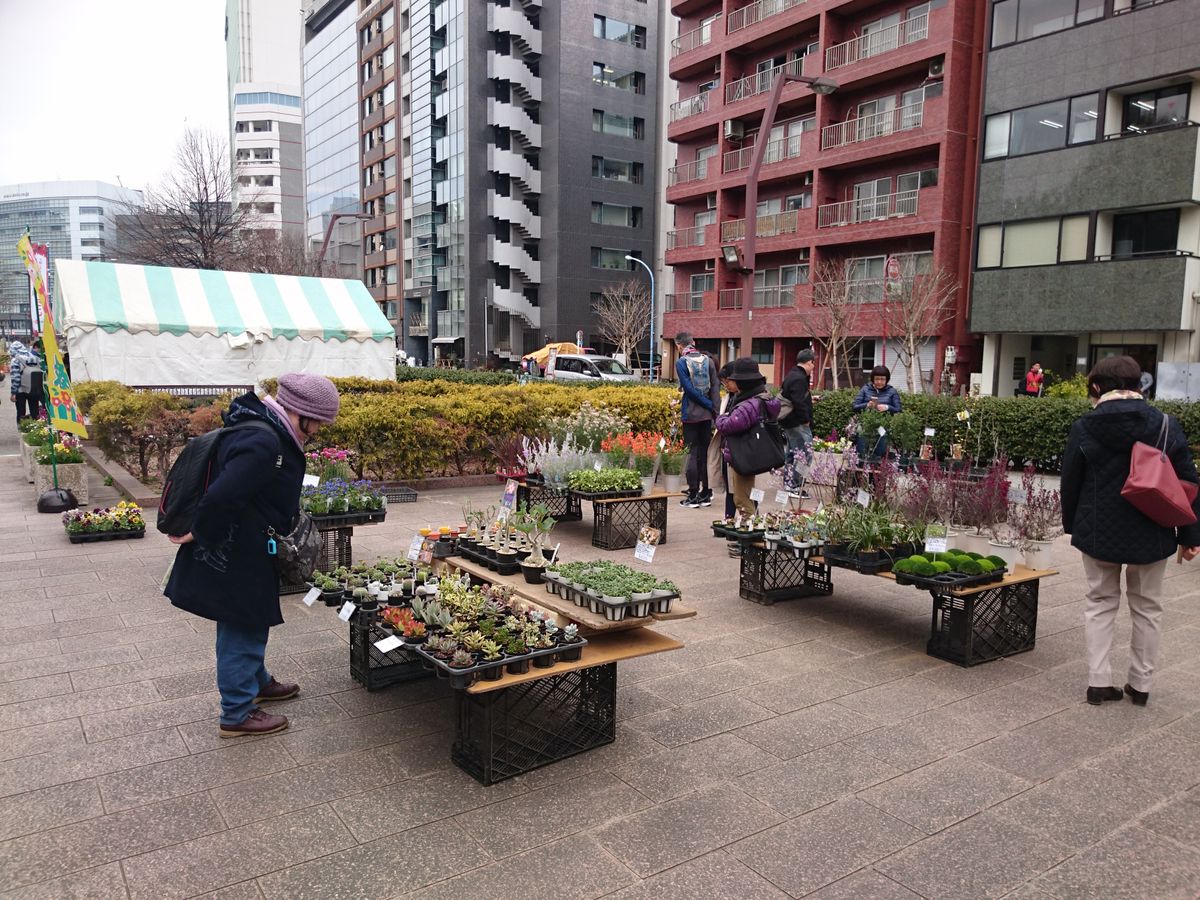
[
  {"x": 648, "y": 539},
  {"x": 312, "y": 480},
  {"x": 644, "y": 552},
  {"x": 936, "y": 538},
  {"x": 930, "y": 432},
  {"x": 862, "y": 498},
  {"x": 388, "y": 644},
  {"x": 756, "y": 495},
  {"x": 311, "y": 597},
  {"x": 782, "y": 496},
  {"x": 346, "y": 611},
  {"x": 662, "y": 442},
  {"x": 414, "y": 547}
]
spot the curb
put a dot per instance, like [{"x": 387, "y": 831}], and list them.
[{"x": 129, "y": 487}]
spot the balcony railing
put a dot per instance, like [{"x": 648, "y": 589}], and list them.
[
  {"x": 777, "y": 151},
  {"x": 690, "y": 40},
  {"x": 690, "y": 302},
  {"x": 756, "y": 12},
  {"x": 867, "y": 209},
  {"x": 768, "y": 226},
  {"x": 682, "y": 238},
  {"x": 877, "y": 42},
  {"x": 697, "y": 170},
  {"x": 417, "y": 326},
  {"x": 774, "y": 297},
  {"x": 692, "y": 106},
  {"x": 761, "y": 82},
  {"x": 868, "y": 128},
  {"x": 861, "y": 290},
  {"x": 450, "y": 323},
  {"x": 730, "y": 298}
]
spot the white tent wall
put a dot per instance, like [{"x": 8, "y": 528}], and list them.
[{"x": 143, "y": 358}]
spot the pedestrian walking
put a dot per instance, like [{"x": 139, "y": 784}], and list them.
[
  {"x": 796, "y": 416},
  {"x": 24, "y": 380},
  {"x": 751, "y": 405}
]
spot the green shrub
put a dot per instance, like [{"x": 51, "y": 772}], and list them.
[
  {"x": 985, "y": 565},
  {"x": 917, "y": 559},
  {"x": 89, "y": 393},
  {"x": 996, "y": 561}
]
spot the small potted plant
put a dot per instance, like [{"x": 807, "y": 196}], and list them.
[{"x": 571, "y": 644}]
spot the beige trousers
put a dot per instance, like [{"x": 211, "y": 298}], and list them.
[
  {"x": 1143, "y": 587},
  {"x": 742, "y": 486}
]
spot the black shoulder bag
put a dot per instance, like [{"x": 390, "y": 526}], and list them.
[{"x": 759, "y": 449}]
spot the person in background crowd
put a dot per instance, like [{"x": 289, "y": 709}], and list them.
[
  {"x": 223, "y": 570},
  {"x": 22, "y": 363},
  {"x": 697, "y": 374},
  {"x": 745, "y": 409},
  {"x": 1111, "y": 533},
  {"x": 797, "y": 424},
  {"x": 1033, "y": 381},
  {"x": 718, "y": 469},
  {"x": 877, "y": 394},
  {"x": 1145, "y": 383}
]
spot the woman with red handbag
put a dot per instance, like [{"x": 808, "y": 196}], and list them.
[{"x": 1112, "y": 533}]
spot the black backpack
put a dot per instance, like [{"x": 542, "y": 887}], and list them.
[{"x": 189, "y": 477}]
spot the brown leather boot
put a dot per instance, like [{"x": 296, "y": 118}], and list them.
[
  {"x": 277, "y": 691},
  {"x": 258, "y": 722}
]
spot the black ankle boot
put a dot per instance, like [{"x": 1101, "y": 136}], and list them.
[
  {"x": 1098, "y": 695},
  {"x": 1139, "y": 698}
]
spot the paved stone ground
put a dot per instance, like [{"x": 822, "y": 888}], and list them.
[{"x": 805, "y": 749}]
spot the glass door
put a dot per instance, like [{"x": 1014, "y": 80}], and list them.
[
  {"x": 875, "y": 117},
  {"x": 871, "y": 200},
  {"x": 879, "y": 36}
]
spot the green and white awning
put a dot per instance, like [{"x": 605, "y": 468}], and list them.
[{"x": 159, "y": 300}]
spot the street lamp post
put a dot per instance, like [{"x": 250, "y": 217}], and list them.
[
  {"x": 819, "y": 86},
  {"x": 649, "y": 272},
  {"x": 329, "y": 233}
]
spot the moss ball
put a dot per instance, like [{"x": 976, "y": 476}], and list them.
[
  {"x": 924, "y": 569},
  {"x": 940, "y": 566},
  {"x": 968, "y": 567},
  {"x": 985, "y": 565},
  {"x": 917, "y": 558},
  {"x": 997, "y": 561},
  {"x": 974, "y": 555}
]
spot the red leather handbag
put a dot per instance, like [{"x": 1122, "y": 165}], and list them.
[{"x": 1154, "y": 488}]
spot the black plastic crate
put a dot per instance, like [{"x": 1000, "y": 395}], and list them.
[
  {"x": 768, "y": 576},
  {"x": 514, "y": 730},
  {"x": 374, "y": 669},
  {"x": 336, "y": 550},
  {"x": 986, "y": 624},
  {"x": 564, "y": 505},
  {"x": 328, "y": 521},
  {"x": 398, "y": 494},
  {"x": 616, "y": 525}
]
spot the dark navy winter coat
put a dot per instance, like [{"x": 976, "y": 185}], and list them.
[
  {"x": 226, "y": 574},
  {"x": 1101, "y": 522}
]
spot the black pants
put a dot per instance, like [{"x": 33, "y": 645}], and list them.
[
  {"x": 27, "y": 406},
  {"x": 696, "y": 437}
]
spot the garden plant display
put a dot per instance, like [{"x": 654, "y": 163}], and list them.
[
  {"x": 338, "y": 497},
  {"x": 66, "y": 451},
  {"x": 330, "y": 463},
  {"x": 611, "y": 589},
  {"x": 954, "y": 568},
  {"x": 125, "y": 520},
  {"x": 604, "y": 481}
]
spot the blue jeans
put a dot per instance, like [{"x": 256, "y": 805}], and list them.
[
  {"x": 799, "y": 438},
  {"x": 240, "y": 670}
]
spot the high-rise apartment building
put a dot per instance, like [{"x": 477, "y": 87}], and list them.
[
  {"x": 263, "y": 48},
  {"x": 1088, "y": 228},
  {"x": 75, "y": 219},
  {"x": 331, "y": 133},
  {"x": 868, "y": 188},
  {"x": 509, "y": 149}
]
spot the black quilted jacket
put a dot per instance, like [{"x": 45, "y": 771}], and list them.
[{"x": 1101, "y": 522}]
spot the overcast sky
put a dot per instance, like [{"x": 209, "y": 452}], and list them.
[{"x": 97, "y": 90}]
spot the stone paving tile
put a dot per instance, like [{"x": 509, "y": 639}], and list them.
[
  {"x": 1133, "y": 863},
  {"x": 87, "y": 761},
  {"x": 900, "y": 699},
  {"x": 807, "y": 688},
  {"x": 149, "y": 716},
  {"x": 39, "y": 738},
  {"x": 806, "y": 729},
  {"x": 60, "y": 851},
  {"x": 174, "y": 687},
  {"x": 701, "y": 719},
  {"x": 1178, "y": 820},
  {"x": 212, "y": 862},
  {"x": 981, "y": 857},
  {"x": 100, "y": 883},
  {"x": 678, "y": 830},
  {"x": 302, "y": 714},
  {"x": 575, "y": 868},
  {"x": 698, "y": 684},
  {"x": 48, "y": 808},
  {"x": 357, "y": 702},
  {"x": 70, "y": 706},
  {"x": 1038, "y": 751},
  {"x": 672, "y": 773},
  {"x": 245, "y": 890},
  {"x": 794, "y": 659},
  {"x": 16, "y": 652},
  {"x": 1160, "y": 763},
  {"x": 865, "y": 884},
  {"x": 85, "y": 663},
  {"x": 382, "y": 868},
  {"x": 142, "y": 669},
  {"x": 319, "y": 660},
  {"x": 34, "y": 688},
  {"x": 346, "y": 735},
  {"x": 717, "y": 876},
  {"x": 633, "y": 700},
  {"x": 1187, "y": 727},
  {"x": 77, "y": 626},
  {"x": 948, "y": 791},
  {"x": 803, "y": 783},
  {"x": 542, "y": 816},
  {"x": 807, "y": 853}
]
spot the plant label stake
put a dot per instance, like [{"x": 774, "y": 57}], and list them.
[
  {"x": 311, "y": 597},
  {"x": 312, "y": 480},
  {"x": 509, "y": 500},
  {"x": 414, "y": 548},
  {"x": 930, "y": 432},
  {"x": 596, "y": 465},
  {"x": 648, "y": 539},
  {"x": 882, "y": 431},
  {"x": 936, "y": 537},
  {"x": 1017, "y": 495},
  {"x": 554, "y": 555},
  {"x": 388, "y": 644},
  {"x": 346, "y": 611},
  {"x": 756, "y": 495},
  {"x": 862, "y": 498},
  {"x": 782, "y": 497}
]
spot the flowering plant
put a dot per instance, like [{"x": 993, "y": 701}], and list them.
[
  {"x": 337, "y": 496},
  {"x": 835, "y": 443},
  {"x": 329, "y": 463},
  {"x": 644, "y": 446},
  {"x": 587, "y": 428},
  {"x": 124, "y": 516},
  {"x": 66, "y": 450},
  {"x": 1039, "y": 517}
]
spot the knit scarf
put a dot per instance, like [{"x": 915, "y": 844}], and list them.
[
  {"x": 1119, "y": 395},
  {"x": 280, "y": 413}
]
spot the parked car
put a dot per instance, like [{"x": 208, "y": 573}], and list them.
[{"x": 584, "y": 367}]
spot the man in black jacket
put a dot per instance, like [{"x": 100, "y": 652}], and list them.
[{"x": 797, "y": 425}]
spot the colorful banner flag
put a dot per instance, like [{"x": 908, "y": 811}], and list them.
[
  {"x": 41, "y": 253},
  {"x": 62, "y": 409}
]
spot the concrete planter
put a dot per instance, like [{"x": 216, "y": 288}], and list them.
[
  {"x": 27, "y": 460},
  {"x": 72, "y": 476}
]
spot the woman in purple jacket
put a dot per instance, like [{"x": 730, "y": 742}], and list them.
[{"x": 745, "y": 408}]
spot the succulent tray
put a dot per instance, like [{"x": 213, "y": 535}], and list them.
[
  {"x": 734, "y": 534},
  {"x": 463, "y": 678},
  {"x": 613, "y": 610},
  {"x": 480, "y": 558},
  {"x": 97, "y": 536},
  {"x": 607, "y": 495}
]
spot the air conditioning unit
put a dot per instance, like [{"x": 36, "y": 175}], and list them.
[
  {"x": 936, "y": 68},
  {"x": 734, "y": 130},
  {"x": 711, "y": 201}
]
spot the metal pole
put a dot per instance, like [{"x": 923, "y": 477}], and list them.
[
  {"x": 649, "y": 272},
  {"x": 329, "y": 233}
]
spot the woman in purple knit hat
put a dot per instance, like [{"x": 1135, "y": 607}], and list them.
[{"x": 223, "y": 571}]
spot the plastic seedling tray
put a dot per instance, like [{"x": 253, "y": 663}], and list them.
[
  {"x": 462, "y": 678},
  {"x": 950, "y": 580}
]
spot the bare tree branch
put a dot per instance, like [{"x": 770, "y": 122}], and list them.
[
  {"x": 623, "y": 315},
  {"x": 836, "y": 305},
  {"x": 917, "y": 307}
]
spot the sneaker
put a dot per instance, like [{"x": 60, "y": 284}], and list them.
[
  {"x": 1098, "y": 695},
  {"x": 277, "y": 691},
  {"x": 705, "y": 499},
  {"x": 689, "y": 500},
  {"x": 258, "y": 722},
  {"x": 804, "y": 495},
  {"x": 1139, "y": 698}
]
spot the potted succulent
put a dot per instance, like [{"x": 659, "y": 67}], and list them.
[
  {"x": 535, "y": 523},
  {"x": 571, "y": 644}
]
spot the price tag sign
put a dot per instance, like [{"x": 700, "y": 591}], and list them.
[
  {"x": 426, "y": 553},
  {"x": 935, "y": 538},
  {"x": 346, "y": 611},
  {"x": 388, "y": 644},
  {"x": 930, "y": 432},
  {"x": 312, "y": 480},
  {"x": 862, "y": 498},
  {"x": 662, "y": 442},
  {"x": 782, "y": 496},
  {"x": 648, "y": 539},
  {"x": 1017, "y": 495},
  {"x": 756, "y": 495},
  {"x": 882, "y": 431},
  {"x": 596, "y": 465},
  {"x": 414, "y": 547},
  {"x": 311, "y": 597}
]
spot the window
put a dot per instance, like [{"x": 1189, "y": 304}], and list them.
[
  {"x": 762, "y": 350},
  {"x": 793, "y": 275},
  {"x": 389, "y": 93},
  {"x": 607, "y": 258},
  {"x": 91, "y": 210},
  {"x": 1144, "y": 233},
  {"x": 266, "y": 97},
  {"x": 861, "y": 358},
  {"x": 616, "y": 170},
  {"x": 1020, "y": 20},
  {"x": 622, "y": 126},
  {"x": 1047, "y": 126},
  {"x": 615, "y": 214},
  {"x": 1037, "y": 242},
  {"x": 706, "y": 281},
  {"x": 635, "y": 82},
  {"x": 91, "y": 242},
  {"x": 91, "y": 226},
  {"x": 615, "y": 30},
  {"x": 1156, "y": 109}
]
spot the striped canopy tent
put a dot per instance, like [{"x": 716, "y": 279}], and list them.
[{"x": 151, "y": 325}]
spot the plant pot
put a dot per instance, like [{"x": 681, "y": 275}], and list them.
[
  {"x": 413, "y": 641},
  {"x": 647, "y": 485},
  {"x": 519, "y": 667},
  {"x": 1007, "y": 552},
  {"x": 570, "y": 652},
  {"x": 71, "y": 476},
  {"x": 544, "y": 661},
  {"x": 639, "y": 609},
  {"x": 972, "y": 542},
  {"x": 533, "y": 574},
  {"x": 1039, "y": 555},
  {"x": 331, "y": 598},
  {"x": 494, "y": 673},
  {"x": 614, "y": 608},
  {"x": 672, "y": 483}
]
